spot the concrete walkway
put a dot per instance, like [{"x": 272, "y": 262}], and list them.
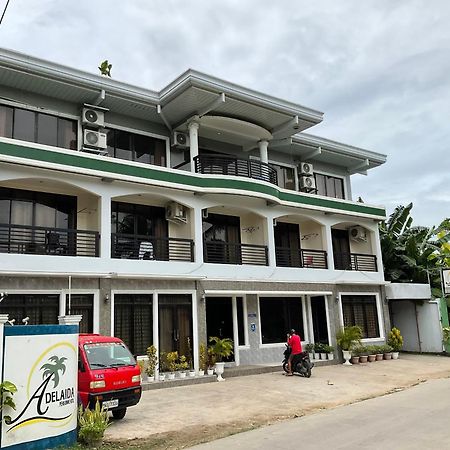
[{"x": 214, "y": 410}]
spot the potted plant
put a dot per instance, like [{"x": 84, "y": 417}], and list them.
[
  {"x": 152, "y": 362},
  {"x": 181, "y": 366},
  {"x": 310, "y": 349},
  {"x": 355, "y": 355},
  {"x": 162, "y": 366},
  {"x": 395, "y": 340},
  {"x": 141, "y": 365},
  {"x": 328, "y": 349},
  {"x": 319, "y": 350},
  {"x": 378, "y": 349},
  {"x": 92, "y": 424},
  {"x": 190, "y": 359},
  {"x": 171, "y": 364},
  {"x": 221, "y": 348},
  {"x": 363, "y": 354},
  {"x": 210, "y": 361},
  {"x": 203, "y": 359},
  {"x": 347, "y": 338},
  {"x": 371, "y": 349},
  {"x": 387, "y": 350}
]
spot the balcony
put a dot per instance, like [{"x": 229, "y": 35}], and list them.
[
  {"x": 48, "y": 241},
  {"x": 230, "y": 253},
  {"x": 131, "y": 246},
  {"x": 355, "y": 261},
  {"x": 311, "y": 259},
  {"x": 229, "y": 165}
]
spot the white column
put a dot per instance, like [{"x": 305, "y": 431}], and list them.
[
  {"x": 263, "y": 151},
  {"x": 193, "y": 142},
  {"x": 235, "y": 331},
  {"x": 376, "y": 247},
  {"x": 198, "y": 235},
  {"x": 271, "y": 242},
  {"x": 329, "y": 247},
  {"x": 3, "y": 320},
  {"x": 105, "y": 227},
  {"x": 195, "y": 341},
  {"x": 156, "y": 329}
]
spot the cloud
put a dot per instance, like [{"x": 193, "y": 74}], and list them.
[{"x": 378, "y": 69}]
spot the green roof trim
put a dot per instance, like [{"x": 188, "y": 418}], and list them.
[{"x": 108, "y": 166}]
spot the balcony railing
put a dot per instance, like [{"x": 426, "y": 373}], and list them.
[
  {"x": 130, "y": 246},
  {"x": 48, "y": 241},
  {"x": 230, "y": 253},
  {"x": 355, "y": 261},
  {"x": 229, "y": 165},
  {"x": 291, "y": 257}
]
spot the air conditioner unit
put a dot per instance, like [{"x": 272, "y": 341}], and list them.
[
  {"x": 93, "y": 117},
  {"x": 305, "y": 169},
  {"x": 180, "y": 139},
  {"x": 307, "y": 183},
  {"x": 94, "y": 139},
  {"x": 176, "y": 213},
  {"x": 358, "y": 234}
]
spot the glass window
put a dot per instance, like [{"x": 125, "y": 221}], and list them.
[
  {"x": 123, "y": 145},
  {"x": 41, "y": 309},
  {"x": 108, "y": 354},
  {"x": 6, "y": 121},
  {"x": 361, "y": 310},
  {"x": 67, "y": 134},
  {"x": 285, "y": 176},
  {"x": 24, "y": 125},
  {"x": 5, "y": 205},
  {"x": 240, "y": 320},
  {"x": 278, "y": 316},
  {"x": 329, "y": 186},
  {"x": 143, "y": 148},
  {"x": 47, "y": 130},
  {"x": 82, "y": 304}
]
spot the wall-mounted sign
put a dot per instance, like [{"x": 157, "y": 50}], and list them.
[
  {"x": 446, "y": 280},
  {"x": 42, "y": 361},
  {"x": 253, "y": 327}
]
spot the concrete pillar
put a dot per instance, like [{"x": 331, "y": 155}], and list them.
[
  {"x": 329, "y": 247},
  {"x": 198, "y": 235},
  {"x": 271, "y": 242},
  {"x": 376, "y": 247},
  {"x": 193, "y": 142},
  {"x": 3, "y": 320},
  {"x": 263, "y": 154},
  {"x": 105, "y": 227}
]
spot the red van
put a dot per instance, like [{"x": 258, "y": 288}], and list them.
[{"x": 107, "y": 372}]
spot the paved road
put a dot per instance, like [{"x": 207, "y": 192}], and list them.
[{"x": 416, "y": 418}]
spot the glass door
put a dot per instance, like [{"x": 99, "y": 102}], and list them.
[{"x": 219, "y": 319}]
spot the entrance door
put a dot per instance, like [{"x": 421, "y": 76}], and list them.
[
  {"x": 287, "y": 244},
  {"x": 319, "y": 319},
  {"x": 219, "y": 319},
  {"x": 341, "y": 249},
  {"x": 175, "y": 324}
]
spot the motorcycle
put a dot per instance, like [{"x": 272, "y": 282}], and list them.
[{"x": 301, "y": 363}]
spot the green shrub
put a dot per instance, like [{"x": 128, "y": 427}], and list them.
[
  {"x": 446, "y": 335},
  {"x": 172, "y": 358},
  {"x": 309, "y": 348},
  {"x": 152, "y": 360},
  {"x": 328, "y": 349},
  {"x": 318, "y": 347},
  {"x": 92, "y": 424},
  {"x": 221, "y": 348},
  {"x": 395, "y": 339},
  {"x": 349, "y": 337},
  {"x": 203, "y": 356}
]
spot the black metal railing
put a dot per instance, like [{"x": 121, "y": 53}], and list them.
[
  {"x": 48, "y": 241},
  {"x": 355, "y": 261},
  {"x": 230, "y": 253},
  {"x": 295, "y": 257},
  {"x": 229, "y": 165},
  {"x": 130, "y": 246}
]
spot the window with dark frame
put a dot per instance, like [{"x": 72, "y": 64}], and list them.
[
  {"x": 82, "y": 304},
  {"x": 361, "y": 310},
  {"x": 240, "y": 320},
  {"x": 136, "y": 147},
  {"x": 42, "y": 309},
  {"x": 285, "y": 176},
  {"x": 278, "y": 316},
  {"x": 133, "y": 321},
  {"x": 329, "y": 186},
  {"x": 38, "y": 127}
]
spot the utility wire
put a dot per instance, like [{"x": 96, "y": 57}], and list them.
[{"x": 4, "y": 11}]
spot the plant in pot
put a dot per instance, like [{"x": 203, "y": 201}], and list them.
[
  {"x": 163, "y": 367},
  {"x": 356, "y": 351},
  {"x": 181, "y": 366},
  {"x": 310, "y": 349},
  {"x": 210, "y": 361},
  {"x": 378, "y": 352},
  {"x": 371, "y": 350},
  {"x": 395, "y": 340},
  {"x": 387, "y": 350},
  {"x": 92, "y": 424},
  {"x": 363, "y": 354},
  {"x": 190, "y": 359},
  {"x": 319, "y": 351},
  {"x": 203, "y": 359},
  {"x": 172, "y": 364},
  {"x": 347, "y": 338},
  {"x": 152, "y": 362},
  {"x": 221, "y": 348},
  {"x": 328, "y": 349}
]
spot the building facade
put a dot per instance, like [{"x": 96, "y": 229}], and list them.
[{"x": 169, "y": 217}]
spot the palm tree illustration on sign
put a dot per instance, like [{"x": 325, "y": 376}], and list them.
[{"x": 51, "y": 370}]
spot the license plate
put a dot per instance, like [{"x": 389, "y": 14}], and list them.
[{"x": 111, "y": 403}]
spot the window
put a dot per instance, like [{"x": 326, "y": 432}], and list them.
[
  {"x": 133, "y": 321},
  {"x": 136, "y": 147},
  {"x": 82, "y": 304},
  {"x": 329, "y": 186},
  {"x": 240, "y": 320},
  {"x": 361, "y": 310},
  {"x": 278, "y": 316},
  {"x": 285, "y": 176},
  {"x": 38, "y": 127},
  {"x": 41, "y": 309}
]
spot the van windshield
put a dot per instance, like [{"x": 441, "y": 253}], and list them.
[{"x": 108, "y": 354}]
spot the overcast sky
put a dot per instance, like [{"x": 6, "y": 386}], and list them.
[{"x": 378, "y": 69}]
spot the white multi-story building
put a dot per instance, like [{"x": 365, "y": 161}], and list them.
[{"x": 168, "y": 217}]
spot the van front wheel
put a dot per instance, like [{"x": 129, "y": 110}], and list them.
[{"x": 119, "y": 413}]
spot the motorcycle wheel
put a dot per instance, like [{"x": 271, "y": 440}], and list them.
[
  {"x": 308, "y": 373},
  {"x": 285, "y": 367}
]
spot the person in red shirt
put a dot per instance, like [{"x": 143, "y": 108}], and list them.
[{"x": 294, "y": 341}]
